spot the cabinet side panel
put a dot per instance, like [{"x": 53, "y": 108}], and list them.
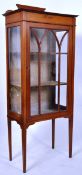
[
  {"x": 73, "y": 64},
  {"x": 71, "y": 68},
  {"x": 28, "y": 71},
  {"x": 23, "y": 71},
  {"x": 7, "y": 68},
  {"x": 17, "y": 17}
]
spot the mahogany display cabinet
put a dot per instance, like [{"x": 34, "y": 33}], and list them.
[{"x": 40, "y": 55}]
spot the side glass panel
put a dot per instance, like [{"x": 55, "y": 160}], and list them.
[
  {"x": 34, "y": 75},
  {"x": 14, "y": 69},
  {"x": 48, "y": 70}
]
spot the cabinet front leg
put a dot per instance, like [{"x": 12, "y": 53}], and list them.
[
  {"x": 70, "y": 136},
  {"x": 24, "y": 149},
  {"x": 10, "y": 139},
  {"x": 53, "y": 132}
]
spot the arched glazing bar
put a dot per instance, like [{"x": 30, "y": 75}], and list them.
[
  {"x": 59, "y": 44},
  {"x": 39, "y": 43}
]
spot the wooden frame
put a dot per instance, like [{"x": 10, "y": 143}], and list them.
[{"x": 27, "y": 17}]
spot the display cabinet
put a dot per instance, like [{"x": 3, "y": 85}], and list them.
[{"x": 40, "y": 55}]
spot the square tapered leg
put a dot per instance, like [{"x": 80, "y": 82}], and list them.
[
  {"x": 53, "y": 133},
  {"x": 10, "y": 139},
  {"x": 24, "y": 149},
  {"x": 70, "y": 136}
]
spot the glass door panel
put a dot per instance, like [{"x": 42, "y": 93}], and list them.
[
  {"x": 63, "y": 97},
  {"x": 48, "y": 74},
  {"x": 48, "y": 70},
  {"x": 34, "y": 101},
  {"x": 63, "y": 68},
  {"x": 63, "y": 40},
  {"x": 14, "y": 69}
]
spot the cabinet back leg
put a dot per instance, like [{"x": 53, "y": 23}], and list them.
[
  {"x": 53, "y": 132},
  {"x": 24, "y": 149},
  {"x": 10, "y": 139},
  {"x": 70, "y": 136}
]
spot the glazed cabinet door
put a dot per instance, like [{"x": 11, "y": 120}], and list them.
[
  {"x": 14, "y": 69},
  {"x": 48, "y": 70}
]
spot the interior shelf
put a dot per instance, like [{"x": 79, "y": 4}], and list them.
[
  {"x": 48, "y": 53},
  {"x": 49, "y": 83},
  {"x": 17, "y": 86}
]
